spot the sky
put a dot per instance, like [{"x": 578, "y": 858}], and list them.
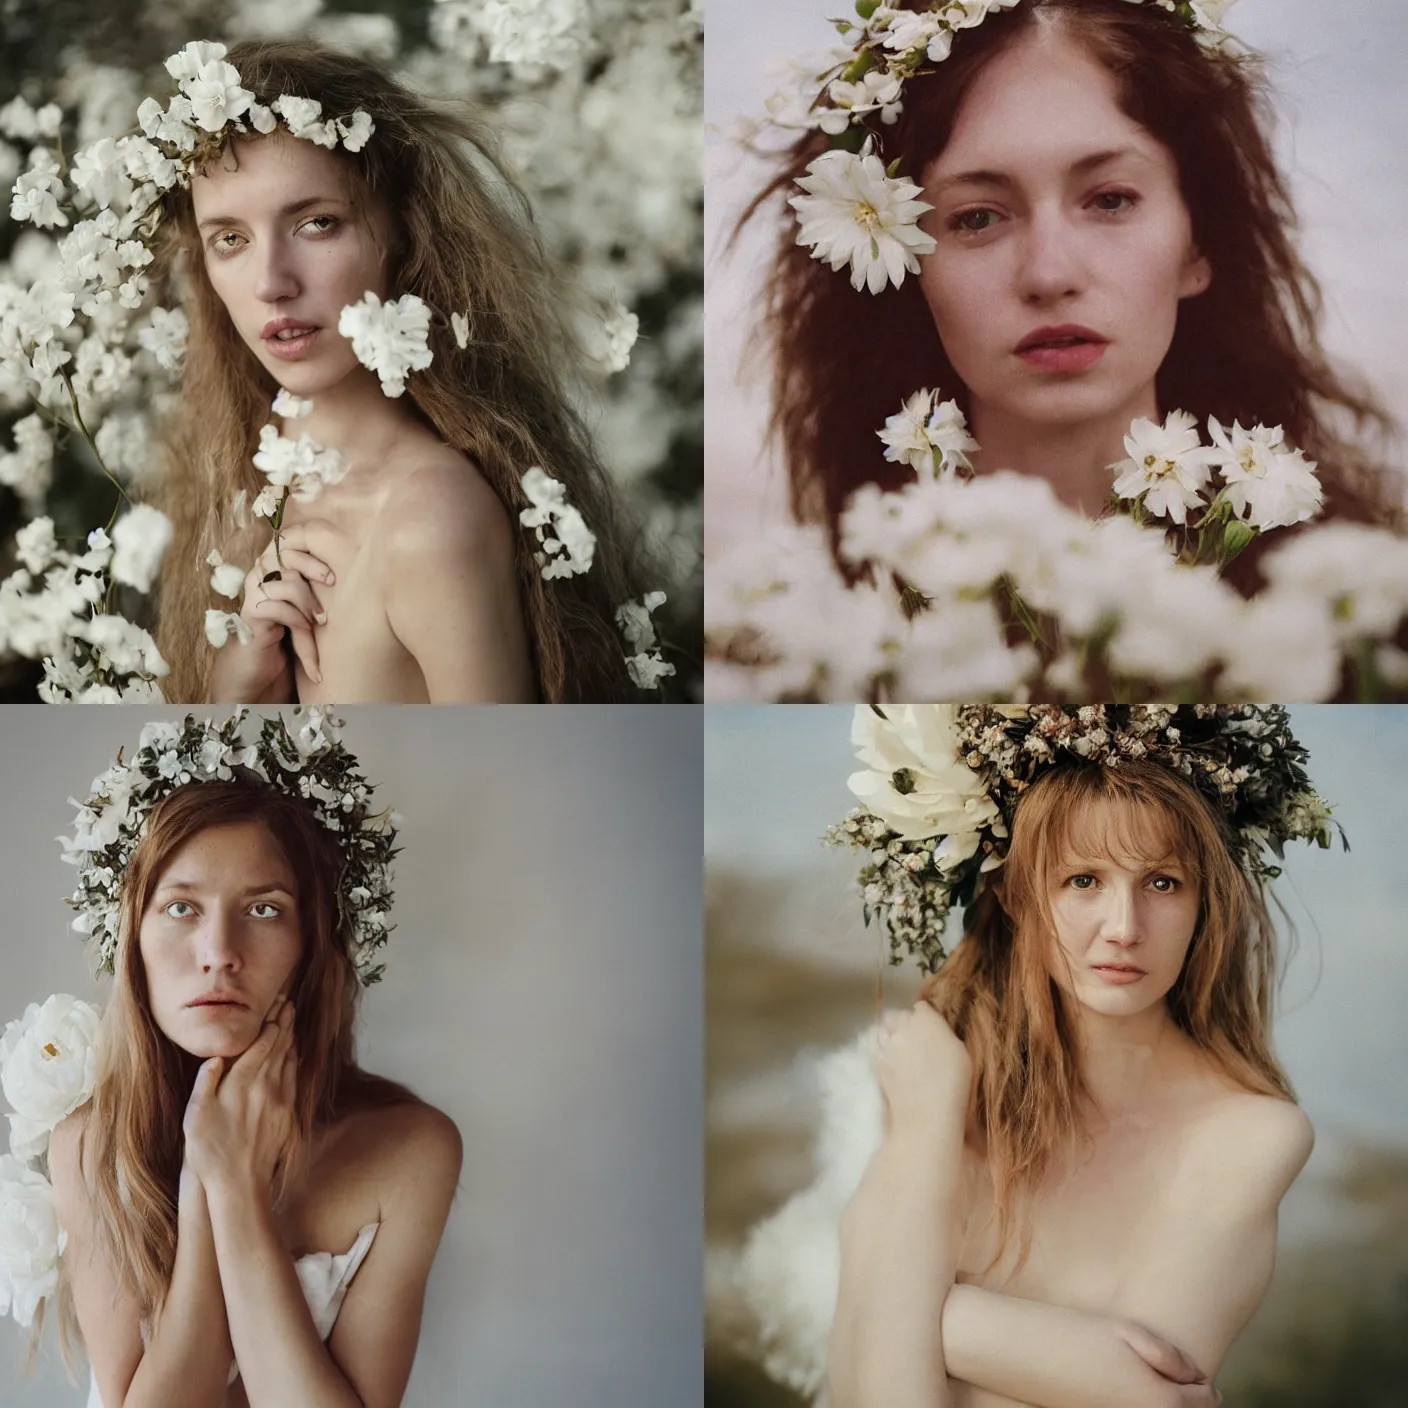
[{"x": 1336, "y": 72}]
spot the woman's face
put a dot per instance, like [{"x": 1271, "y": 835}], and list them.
[
  {"x": 283, "y": 249},
  {"x": 220, "y": 938},
  {"x": 1063, "y": 242},
  {"x": 1125, "y": 908}
]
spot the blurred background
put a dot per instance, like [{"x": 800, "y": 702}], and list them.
[
  {"x": 603, "y": 131},
  {"x": 1336, "y": 73},
  {"x": 543, "y": 987},
  {"x": 791, "y": 972}
]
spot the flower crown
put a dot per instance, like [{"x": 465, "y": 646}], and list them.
[
  {"x": 854, "y": 210},
  {"x": 941, "y": 784},
  {"x": 306, "y": 761}
]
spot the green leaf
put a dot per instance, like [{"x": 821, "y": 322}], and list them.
[
  {"x": 1236, "y": 537},
  {"x": 866, "y": 8}
]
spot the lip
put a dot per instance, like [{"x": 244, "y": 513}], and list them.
[
  {"x": 294, "y": 347},
  {"x": 217, "y": 999},
  {"x": 1119, "y": 974},
  {"x": 1036, "y": 349}
]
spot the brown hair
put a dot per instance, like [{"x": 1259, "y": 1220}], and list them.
[
  {"x": 132, "y": 1138},
  {"x": 997, "y": 991},
  {"x": 1248, "y": 349},
  {"x": 462, "y": 235}
]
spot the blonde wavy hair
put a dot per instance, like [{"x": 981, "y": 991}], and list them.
[
  {"x": 461, "y": 236},
  {"x": 131, "y": 1144},
  {"x": 998, "y": 992}
]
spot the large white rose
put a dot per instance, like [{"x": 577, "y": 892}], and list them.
[
  {"x": 916, "y": 782},
  {"x": 47, "y": 1067},
  {"x": 31, "y": 1240}
]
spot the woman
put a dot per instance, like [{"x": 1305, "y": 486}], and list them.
[
  {"x": 410, "y": 580},
  {"x": 251, "y": 1217},
  {"x": 1109, "y": 238},
  {"x": 1086, "y": 1136}
]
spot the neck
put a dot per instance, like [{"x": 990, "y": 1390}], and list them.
[
  {"x": 1121, "y": 1059},
  {"x": 1074, "y": 458},
  {"x": 355, "y": 418}
]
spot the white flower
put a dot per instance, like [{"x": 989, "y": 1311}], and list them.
[
  {"x": 916, "y": 782},
  {"x": 301, "y": 466},
  {"x": 37, "y": 194},
  {"x": 215, "y": 95},
  {"x": 614, "y": 337},
  {"x": 1359, "y": 573},
  {"x": 228, "y": 577},
  {"x": 570, "y": 552},
  {"x": 1284, "y": 649},
  {"x": 531, "y": 31},
  {"x": 390, "y": 339},
  {"x": 302, "y": 116},
  {"x": 192, "y": 59},
  {"x": 355, "y": 131},
  {"x": 648, "y": 669},
  {"x": 31, "y": 1240},
  {"x": 931, "y": 439},
  {"x": 634, "y": 621},
  {"x": 122, "y": 647},
  {"x": 853, "y": 213},
  {"x": 36, "y": 545},
  {"x": 48, "y": 1062},
  {"x": 100, "y": 170},
  {"x": 876, "y": 89},
  {"x": 459, "y": 322},
  {"x": 1167, "y": 466},
  {"x": 220, "y": 624},
  {"x": 291, "y": 407},
  {"x": 28, "y": 469},
  {"x": 1269, "y": 485},
  {"x": 139, "y": 541},
  {"x": 165, "y": 337}
]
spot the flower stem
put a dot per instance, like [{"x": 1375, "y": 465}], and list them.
[{"x": 93, "y": 445}]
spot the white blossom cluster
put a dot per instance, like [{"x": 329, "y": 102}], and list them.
[
  {"x": 389, "y": 338},
  {"x": 647, "y": 665},
  {"x": 991, "y": 588},
  {"x": 568, "y": 544},
  {"x": 48, "y": 1067}
]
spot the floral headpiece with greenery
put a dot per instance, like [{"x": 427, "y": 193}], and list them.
[
  {"x": 855, "y": 210},
  {"x": 941, "y": 784},
  {"x": 303, "y": 758}
]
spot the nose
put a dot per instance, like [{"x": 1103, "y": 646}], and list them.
[
  {"x": 217, "y": 943},
  {"x": 1052, "y": 267},
  {"x": 276, "y": 277},
  {"x": 1122, "y": 919}
]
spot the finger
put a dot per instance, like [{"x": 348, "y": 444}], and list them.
[
  {"x": 304, "y": 563},
  {"x": 207, "y": 1078},
  {"x": 294, "y": 539},
  {"x": 295, "y": 590},
  {"x": 300, "y": 632}
]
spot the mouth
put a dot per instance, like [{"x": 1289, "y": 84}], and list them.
[
  {"x": 215, "y": 1002},
  {"x": 1118, "y": 973},
  {"x": 1065, "y": 336}
]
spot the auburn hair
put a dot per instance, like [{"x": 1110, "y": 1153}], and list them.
[
  {"x": 1248, "y": 349},
  {"x": 131, "y": 1146},
  {"x": 998, "y": 991},
  {"x": 462, "y": 236}
]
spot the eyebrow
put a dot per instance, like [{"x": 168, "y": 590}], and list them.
[
  {"x": 291, "y": 209},
  {"x": 1000, "y": 179},
  {"x": 274, "y": 887}
]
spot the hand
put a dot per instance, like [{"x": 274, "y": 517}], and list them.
[
  {"x": 278, "y": 601},
  {"x": 239, "y": 1123},
  {"x": 1163, "y": 1358},
  {"x": 924, "y": 1071}
]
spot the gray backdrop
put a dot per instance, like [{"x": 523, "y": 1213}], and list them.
[{"x": 543, "y": 987}]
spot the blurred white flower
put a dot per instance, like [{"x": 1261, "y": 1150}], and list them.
[
  {"x": 526, "y": 31},
  {"x": 958, "y": 650},
  {"x": 47, "y": 1066},
  {"x": 391, "y": 339},
  {"x": 165, "y": 337},
  {"x": 648, "y": 669},
  {"x": 1284, "y": 649},
  {"x": 139, "y": 540},
  {"x": 571, "y": 550},
  {"x": 37, "y": 194},
  {"x": 1358, "y": 573},
  {"x": 615, "y": 336},
  {"x": 854, "y": 214},
  {"x": 28, "y": 468},
  {"x": 291, "y": 407},
  {"x": 100, "y": 171},
  {"x": 219, "y": 625},
  {"x": 1269, "y": 485},
  {"x": 1167, "y": 466},
  {"x": 633, "y": 619},
  {"x": 228, "y": 577},
  {"x": 122, "y": 647},
  {"x": 301, "y": 466},
  {"x": 31, "y": 1240}
]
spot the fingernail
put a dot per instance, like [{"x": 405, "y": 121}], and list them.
[
  {"x": 329, "y": 578},
  {"x": 321, "y": 617}
]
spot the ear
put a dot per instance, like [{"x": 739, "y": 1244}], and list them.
[{"x": 1197, "y": 275}]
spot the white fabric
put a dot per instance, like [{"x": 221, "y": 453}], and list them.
[
  {"x": 324, "y": 1277},
  {"x": 791, "y": 1263}
]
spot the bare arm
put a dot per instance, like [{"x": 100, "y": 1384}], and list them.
[
  {"x": 451, "y": 588},
  {"x": 187, "y": 1361},
  {"x": 900, "y": 1234}
]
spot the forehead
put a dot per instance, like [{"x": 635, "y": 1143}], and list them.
[
  {"x": 234, "y": 853},
  {"x": 259, "y": 170},
  {"x": 1043, "y": 102},
  {"x": 1122, "y": 830}
]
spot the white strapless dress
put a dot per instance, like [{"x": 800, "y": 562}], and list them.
[{"x": 324, "y": 1277}]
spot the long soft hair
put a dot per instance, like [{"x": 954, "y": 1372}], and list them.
[
  {"x": 462, "y": 236},
  {"x": 132, "y": 1143},
  {"x": 1248, "y": 349},
  {"x": 998, "y": 993}
]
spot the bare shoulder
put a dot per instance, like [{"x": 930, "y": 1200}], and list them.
[
  {"x": 414, "y": 1148},
  {"x": 1252, "y": 1146},
  {"x": 65, "y": 1172},
  {"x": 441, "y": 513}
]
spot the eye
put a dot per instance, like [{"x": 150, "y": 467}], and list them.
[
  {"x": 1081, "y": 882},
  {"x": 272, "y": 910},
  {"x": 171, "y": 910},
  {"x": 332, "y": 223},
  {"x": 973, "y": 222},
  {"x": 1115, "y": 202},
  {"x": 1166, "y": 884},
  {"x": 219, "y": 247}
]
